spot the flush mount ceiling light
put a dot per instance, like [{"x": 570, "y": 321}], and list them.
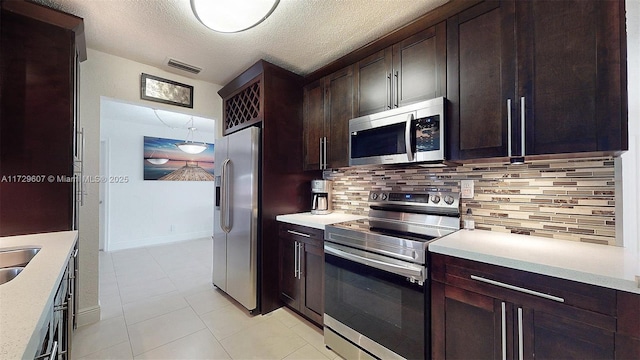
[
  {"x": 229, "y": 16},
  {"x": 189, "y": 146}
]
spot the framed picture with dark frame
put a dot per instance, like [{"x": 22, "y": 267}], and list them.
[{"x": 165, "y": 91}]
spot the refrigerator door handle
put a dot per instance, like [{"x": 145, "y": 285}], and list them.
[{"x": 225, "y": 224}]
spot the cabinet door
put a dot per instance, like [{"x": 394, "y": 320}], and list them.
[
  {"x": 313, "y": 288},
  {"x": 628, "y": 326},
  {"x": 570, "y": 75},
  {"x": 419, "y": 66},
  {"x": 480, "y": 80},
  {"x": 338, "y": 110},
  {"x": 554, "y": 336},
  {"x": 373, "y": 83},
  {"x": 36, "y": 134},
  {"x": 289, "y": 283},
  {"x": 473, "y": 326},
  {"x": 313, "y": 124}
]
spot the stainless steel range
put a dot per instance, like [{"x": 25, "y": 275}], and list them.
[{"x": 376, "y": 278}]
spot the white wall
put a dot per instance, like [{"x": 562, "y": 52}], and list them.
[
  {"x": 631, "y": 159},
  {"x": 117, "y": 78},
  {"x": 148, "y": 212}
]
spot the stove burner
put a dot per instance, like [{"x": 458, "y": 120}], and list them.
[
  {"x": 408, "y": 236},
  {"x": 400, "y": 224}
]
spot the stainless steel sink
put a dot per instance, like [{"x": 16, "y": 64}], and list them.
[
  {"x": 17, "y": 257},
  {"x": 9, "y": 273}
]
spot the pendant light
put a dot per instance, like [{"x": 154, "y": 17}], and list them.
[
  {"x": 229, "y": 16},
  {"x": 157, "y": 161},
  {"x": 189, "y": 146}
]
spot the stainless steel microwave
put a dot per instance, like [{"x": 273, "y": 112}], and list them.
[{"x": 408, "y": 134}]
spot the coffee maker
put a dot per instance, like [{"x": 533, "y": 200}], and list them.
[{"x": 321, "y": 197}]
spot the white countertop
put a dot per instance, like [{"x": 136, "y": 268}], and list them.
[
  {"x": 608, "y": 266},
  {"x": 317, "y": 221},
  {"x": 24, "y": 301}
]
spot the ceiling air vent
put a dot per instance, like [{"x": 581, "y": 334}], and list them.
[{"x": 182, "y": 66}]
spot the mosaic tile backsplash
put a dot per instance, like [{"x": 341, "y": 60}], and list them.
[{"x": 570, "y": 199}]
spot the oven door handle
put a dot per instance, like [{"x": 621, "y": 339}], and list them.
[{"x": 415, "y": 273}]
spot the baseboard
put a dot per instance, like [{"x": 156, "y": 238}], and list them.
[
  {"x": 88, "y": 315},
  {"x": 159, "y": 240}
]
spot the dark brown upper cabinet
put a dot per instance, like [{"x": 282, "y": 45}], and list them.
[
  {"x": 328, "y": 106},
  {"x": 537, "y": 78},
  {"x": 313, "y": 125},
  {"x": 39, "y": 83},
  {"x": 572, "y": 75},
  {"x": 411, "y": 70},
  {"x": 481, "y": 76}
]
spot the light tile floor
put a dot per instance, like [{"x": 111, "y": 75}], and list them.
[{"x": 158, "y": 303}]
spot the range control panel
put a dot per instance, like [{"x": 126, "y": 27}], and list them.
[{"x": 437, "y": 199}]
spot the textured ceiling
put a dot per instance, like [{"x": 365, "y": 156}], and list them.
[{"x": 300, "y": 35}]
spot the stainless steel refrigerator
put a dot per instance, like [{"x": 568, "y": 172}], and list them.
[{"x": 235, "y": 234}]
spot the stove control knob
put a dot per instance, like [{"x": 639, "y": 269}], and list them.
[
  {"x": 374, "y": 196},
  {"x": 448, "y": 199},
  {"x": 383, "y": 196},
  {"x": 435, "y": 199}
]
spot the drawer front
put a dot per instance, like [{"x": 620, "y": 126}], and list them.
[
  {"x": 521, "y": 286},
  {"x": 302, "y": 234}
]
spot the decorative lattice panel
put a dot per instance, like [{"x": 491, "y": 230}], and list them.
[{"x": 243, "y": 107}]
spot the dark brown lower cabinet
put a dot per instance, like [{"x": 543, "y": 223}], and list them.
[
  {"x": 302, "y": 270},
  {"x": 482, "y": 311},
  {"x": 628, "y": 327},
  {"x": 471, "y": 319}
]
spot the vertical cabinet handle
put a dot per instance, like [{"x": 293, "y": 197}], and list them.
[
  {"x": 397, "y": 89},
  {"x": 522, "y": 130},
  {"x": 295, "y": 259},
  {"x": 323, "y": 153},
  {"x": 320, "y": 153},
  {"x": 83, "y": 192},
  {"x": 503, "y": 323},
  {"x": 509, "y": 127},
  {"x": 324, "y": 167},
  {"x": 80, "y": 191},
  {"x": 520, "y": 337},
  {"x": 299, "y": 261},
  {"x": 389, "y": 92}
]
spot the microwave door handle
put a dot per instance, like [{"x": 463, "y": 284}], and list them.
[{"x": 407, "y": 137}]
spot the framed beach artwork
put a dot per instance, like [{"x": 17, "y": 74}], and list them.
[{"x": 164, "y": 161}]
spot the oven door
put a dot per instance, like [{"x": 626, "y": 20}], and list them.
[{"x": 375, "y": 302}]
